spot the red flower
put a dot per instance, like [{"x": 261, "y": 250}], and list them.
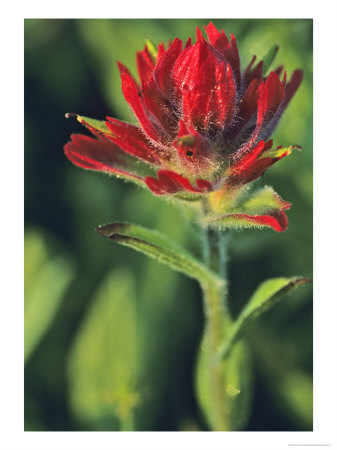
[{"x": 204, "y": 126}]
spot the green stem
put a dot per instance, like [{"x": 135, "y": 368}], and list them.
[{"x": 217, "y": 322}]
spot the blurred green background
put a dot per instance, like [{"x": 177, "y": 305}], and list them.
[{"x": 111, "y": 337}]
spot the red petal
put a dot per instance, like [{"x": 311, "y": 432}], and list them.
[
  {"x": 248, "y": 68},
  {"x": 247, "y": 106},
  {"x": 250, "y": 166},
  {"x": 97, "y": 154},
  {"x": 255, "y": 73},
  {"x": 132, "y": 140},
  {"x": 217, "y": 39},
  {"x": 188, "y": 43},
  {"x": 145, "y": 64},
  {"x": 132, "y": 94},
  {"x": 161, "y": 51},
  {"x": 208, "y": 87},
  {"x": 235, "y": 59},
  {"x": 229, "y": 50},
  {"x": 292, "y": 86},
  {"x": 160, "y": 107},
  {"x": 271, "y": 95},
  {"x": 163, "y": 70},
  {"x": 187, "y": 66},
  {"x": 199, "y": 35},
  {"x": 290, "y": 89},
  {"x": 169, "y": 182}
]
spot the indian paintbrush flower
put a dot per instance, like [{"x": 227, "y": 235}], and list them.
[{"x": 204, "y": 128}]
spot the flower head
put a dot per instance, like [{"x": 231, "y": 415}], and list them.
[{"x": 204, "y": 128}]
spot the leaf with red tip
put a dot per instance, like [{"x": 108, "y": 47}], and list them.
[
  {"x": 276, "y": 220},
  {"x": 265, "y": 208},
  {"x": 102, "y": 155}
]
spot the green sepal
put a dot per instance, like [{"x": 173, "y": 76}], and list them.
[
  {"x": 269, "y": 293},
  {"x": 159, "y": 247},
  {"x": 97, "y": 125},
  {"x": 278, "y": 152},
  {"x": 269, "y": 58},
  {"x": 152, "y": 49}
]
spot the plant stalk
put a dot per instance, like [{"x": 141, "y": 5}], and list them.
[{"x": 217, "y": 323}]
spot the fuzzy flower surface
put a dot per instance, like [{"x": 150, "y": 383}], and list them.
[{"x": 204, "y": 128}]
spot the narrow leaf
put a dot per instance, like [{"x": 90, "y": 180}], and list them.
[
  {"x": 266, "y": 296},
  {"x": 158, "y": 247},
  {"x": 269, "y": 58}
]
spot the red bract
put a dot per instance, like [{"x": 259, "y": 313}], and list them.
[{"x": 203, "y": 126}]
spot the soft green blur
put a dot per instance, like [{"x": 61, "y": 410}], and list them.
[{"x": 111, "y": 337}]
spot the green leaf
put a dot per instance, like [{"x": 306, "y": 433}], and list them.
[
  {"x": 266, "y": 296},
  {"x": 46, "y": 279},
  {"x": 103, "y": 364},
  {"x": 269, "y": 58},
  {"x": 158, "y": 247}
]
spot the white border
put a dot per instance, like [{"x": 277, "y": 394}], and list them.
[{"x": 11, "y": 326}]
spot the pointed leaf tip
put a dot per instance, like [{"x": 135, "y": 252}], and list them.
[
  {"x": 269, "y": 293},
  {"x": 69, "y": 114},
  {"x": 159, "y": 247},
  {"x": 269, "y": 58}
]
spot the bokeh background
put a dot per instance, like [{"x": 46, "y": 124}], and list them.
[{"x": 110, "y": 336}]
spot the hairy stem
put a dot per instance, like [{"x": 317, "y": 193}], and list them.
[{"x": 217, "y": 322}]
